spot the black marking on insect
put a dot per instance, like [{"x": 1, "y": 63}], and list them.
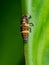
[{"x": 24, "y": 26}]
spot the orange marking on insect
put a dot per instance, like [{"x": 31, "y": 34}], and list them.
[
  {"x": 25, "y": 31},
  {"x": 26, "y": 24},
  {"x": 23, "y": 22}
]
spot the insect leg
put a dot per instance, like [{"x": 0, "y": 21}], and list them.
[
  {"x": 31, "y": 24},
  {"x": 30, "y": 29},
  {"x": 29, "y": 17}
]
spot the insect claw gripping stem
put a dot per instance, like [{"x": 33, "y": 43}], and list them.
[
  {"x": 29, "y": 17},
  {"x": 31, "y": 24},
  {"x": 25, "y": 29},
  {"x": 30, "y": 29}
]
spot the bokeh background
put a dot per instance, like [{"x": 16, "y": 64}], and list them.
[{"x": 11, "y": 44}]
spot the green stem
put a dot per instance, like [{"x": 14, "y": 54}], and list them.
[{"x": 39, "y": 10}]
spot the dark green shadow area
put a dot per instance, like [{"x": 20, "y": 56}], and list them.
[{"x": 11, "y": 44}]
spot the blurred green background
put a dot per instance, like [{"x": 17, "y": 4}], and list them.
[{"x": 11, "y": 44}]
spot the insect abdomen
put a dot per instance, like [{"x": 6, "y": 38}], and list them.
[{"x": 25, "y": 32}]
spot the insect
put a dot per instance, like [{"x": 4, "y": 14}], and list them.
[{"x": 25, "y": 27}]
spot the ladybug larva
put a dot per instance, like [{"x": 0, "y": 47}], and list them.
[{"x": 25, "y": 27}]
